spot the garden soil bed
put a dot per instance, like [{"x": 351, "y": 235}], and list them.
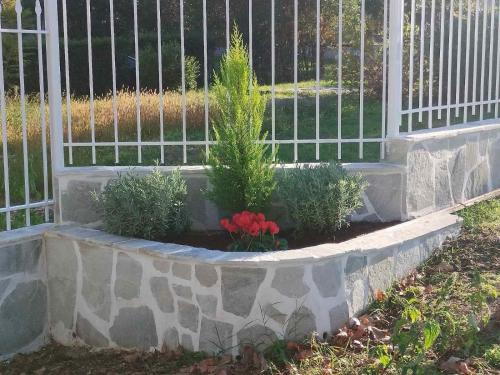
[{"x": 220, "y": 240}]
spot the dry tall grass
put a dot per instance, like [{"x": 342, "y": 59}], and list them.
[{"x": 104, "y": 116}]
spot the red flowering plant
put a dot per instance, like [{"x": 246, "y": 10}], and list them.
[{"x": 252, "y": 232}]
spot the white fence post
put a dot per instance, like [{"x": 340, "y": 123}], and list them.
[
  {"x": 395, "y": 94},
  {"x": 54, "y": 85}
]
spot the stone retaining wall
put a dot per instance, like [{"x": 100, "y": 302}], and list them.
[
  {"x": 110, "y": 291},
  {"x": 382, "y": 199},
  {"x": 447, "y": 167},
  {"x": 23, "y": 291}
]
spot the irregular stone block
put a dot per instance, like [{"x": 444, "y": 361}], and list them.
[
  {"x": 161, "y": 265},
  {"x": 494, "y": 162},
  {"x": 407, "y": 259},
  {"x": 182, "y": 271},
  {"x": 443, "y": 196},
  {"x": 62, "y": 268},
  {"x": 23, "y": 316},
  {"x": 381, "y": 271},
  {"x": 134, "y": 327},
  {"x": 77, "y": 204},
  {"x": 97, "y": 265},
  {"x": 289, "y": 281},
  {"x": 215, "y": 336},
  {"x": 20, "y": 258},
  {"x": 187, "y": 342},
  {"x": 301, "y": 324},
  {"x": 477, "y": 183},
  {"x": 355, "y": 282},
  {"x": 89, "y": 334},
  {"x": 208, "y": 305},
  {"x": 339, "y": 316},
  {"x": 420, "y": 180},
  {"x": 239, "y": 289},
  {"x": 171, "y": 338},
  {"x": 328, "y": 277},
  {"x": 182, "y": 291},
  {"x": 162, "y": 294},
  {"x": 128, "y": 277},
  {"x": 4, "y": 284},
  {"x": 258, "y": 336},
  {"x": 273, "y": 313},
  {"x": 456, "y": 166},
  {"x": 188, "y": 315},
  {"x": 206, "y": 275},
  {"x": 386, "y": 201}
]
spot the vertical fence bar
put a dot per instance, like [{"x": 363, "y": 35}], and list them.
[
  {"x": 422, "y": 62},
  {"x": 250, "y": 38},
  {"x": 483, "y": 58},
  {"x": 318, "y": 47},
  {"x": 205, "y": 76},
  {"x": 339, "y": 85},
  {"x": 113, "y": 71},
  {"x": 395, "y": 67},
  {"x": 467, "y": 60},
  {"x": 490, "y": 65},
  {"x": 273, "y": 78},
  {"x": 228, "y": 31},
  {"x": 22, "y": 102},
  {"x": 497, "y": 77},
  {"x": 3, "y": 115},
  {"x": 431, "y": 64},
  {"x": 362, "y": 80},
  {"x": 412, "y": 58},
  {"x": 441, "y": 59},
  {"x": 137, "y": 85},
  {"x": 295, "y": 86},
  {"x": 183, "y": 84},
  {"x": 43, "y": 123},
  {"x": 474, "y": 76},
  {"x": 384, "y": 81},
  {"x": 54, "y": 87},
  {"x": 68, "y": 84},
  {"x": 450, "y": 58},
  {"x": 459, "y": 59},
  {"x": 91, "y": 81},
  {"x": 160, "y": 82}
]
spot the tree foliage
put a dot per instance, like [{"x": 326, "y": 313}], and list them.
[{"x": 241, "y": 169}]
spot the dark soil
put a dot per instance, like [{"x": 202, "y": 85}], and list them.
[{"x": 220, "y": 240}]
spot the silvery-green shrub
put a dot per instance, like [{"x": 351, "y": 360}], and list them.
[
  {"x": 152, "y": 206},
  {"x": 319, "y": 198}
]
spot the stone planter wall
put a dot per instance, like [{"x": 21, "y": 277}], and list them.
[
  {"x": 422, "y": 173},
  {"x": 23, "y": 291},
  {"x": 110, "y": 291}
]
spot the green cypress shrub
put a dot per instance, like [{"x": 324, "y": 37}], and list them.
[
  {"x": 151, "y": 206},
  {"x": 241, "y": 170}
]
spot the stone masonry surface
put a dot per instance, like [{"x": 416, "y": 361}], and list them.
[
  {"x": 154, "y": 294},
  {"x": 23, "y": 291}
]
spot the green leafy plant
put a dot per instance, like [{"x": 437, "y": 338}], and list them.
[
  {"x": 241, "y": 170},
  {"x": 151, "y": 206},
  {"x": 320, "y": 197}
]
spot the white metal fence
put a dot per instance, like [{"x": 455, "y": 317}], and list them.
[{"x": 341, "y": 76}]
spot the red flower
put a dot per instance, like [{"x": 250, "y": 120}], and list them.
[
  {"x": 261, "y": 218},
  {"x": 230, "y": 227},
  {"x": 273, "y": 227}
]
